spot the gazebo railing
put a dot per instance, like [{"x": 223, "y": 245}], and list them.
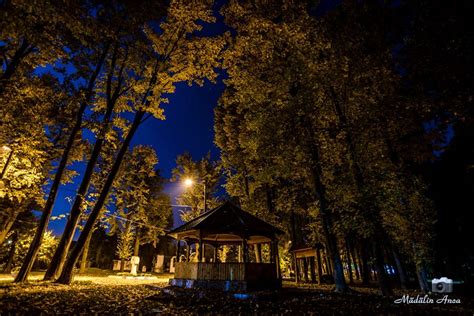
[{"x": 225, "y": 271}]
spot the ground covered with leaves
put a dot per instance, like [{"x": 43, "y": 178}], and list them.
[{"x": 87, "y": 297}]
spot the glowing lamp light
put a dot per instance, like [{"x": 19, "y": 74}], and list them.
[
  {"x": 188, "y": 182},
  {"x": 6, "y": 148}
]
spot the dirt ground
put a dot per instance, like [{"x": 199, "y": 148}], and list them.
[{"x": 100, "y": 294}]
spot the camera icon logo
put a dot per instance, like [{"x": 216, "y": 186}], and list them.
[{"x": 442, "y": 285}]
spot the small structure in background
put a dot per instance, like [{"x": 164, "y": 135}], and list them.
[
  {"x": 135, "y": 260},
  {"x": 172, "y": 264},
  {"x": 159, "y": 264},
  {"x": 127, "y": 265},
  {"x": 227, "y": 225},
  {"x": 311, "y": 264}
]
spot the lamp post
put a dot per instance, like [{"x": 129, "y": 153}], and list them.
[
  {"x": 6, "y": 149},
  {"x": 188, "y": 182}
]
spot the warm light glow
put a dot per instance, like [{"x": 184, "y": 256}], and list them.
[
  {"x": 188, "y": 182},
  {"x": 6, "y": 148}
]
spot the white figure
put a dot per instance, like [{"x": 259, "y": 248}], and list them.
[{"x": 135, "y": 261}]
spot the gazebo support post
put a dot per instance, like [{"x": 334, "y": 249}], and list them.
[
  {"x": 258, "y": 252},
  {"x": 200, "y": 250},
  {"x": 244, "y": 250},
  {"x": 178, "y": 244},
  {"x": 312, "y": 269},
  {"x": 297, "y": 270},
  {"x": 216, "y": 247},
  {"x": 305, "y": 269},
  {"x": 272, "y": 252}
]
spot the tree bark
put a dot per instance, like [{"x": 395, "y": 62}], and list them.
[
  {"x": 122, "y": 264},
  {"x": 98, "y": 255},
  {"x": 364, "y": 264},
  {"x": 320, "y": 268},
  {"x": 354, "y": 260},
  {"x": 136, "y": 246},
  {"x": 349, "y": 262},
  {"x": 67, "y": 273}
]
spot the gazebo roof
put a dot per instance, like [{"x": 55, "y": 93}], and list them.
[{"x": 226, "y": 222}]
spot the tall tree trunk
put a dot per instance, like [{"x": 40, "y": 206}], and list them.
[
  {"x": 354, "y": 260},
  {"x": 320, "y": 265},
  {"x": 422, "y": 278},
  {"x": 293, "y": 227},
  {"x": 349, "y": 262},
  {"x": 67, "y": 273},
  {"x": 11, "y": 254},
  {"x": 48, "y": 208},
  {"x": 364, "y": 264},
  {"x": 384, "y": 286},
  {"x": 319, "y": 191},
  {"x": 400, "y": 270},
  {"x": 85, "y": 254},
  {"x": 98, "y": 254},
  {"x": 136, "y": 246},
  {"x": 368, "y": 207},
  {"x": 7, "y": 226},
  {"x": 61, "y": 251}
]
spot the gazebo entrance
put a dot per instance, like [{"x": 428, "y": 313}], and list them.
[{"x": 231, "y": 227}]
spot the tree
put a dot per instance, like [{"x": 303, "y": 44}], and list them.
[
  {"x": 32, "y": 36},
  {"x": 205, "y": 173},
  {"x": 305, "y": 100},
  {"x": 132, "y": 195},
  {"x": 127, "y": 59},
  {"x": 178, "y": 57},
  {"x": 286, "y": 128},
  {"x": 19, "y": 239},
  {"x": 143, "y": 210},
  {"x": 125, "y": 245}
]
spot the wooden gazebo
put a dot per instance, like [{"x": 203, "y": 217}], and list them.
[{"x": 228, "y": 225}]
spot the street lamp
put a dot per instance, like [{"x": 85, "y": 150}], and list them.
[
  {"x": 6, "y": 149},
  {"x": 188, "y": 182}
]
